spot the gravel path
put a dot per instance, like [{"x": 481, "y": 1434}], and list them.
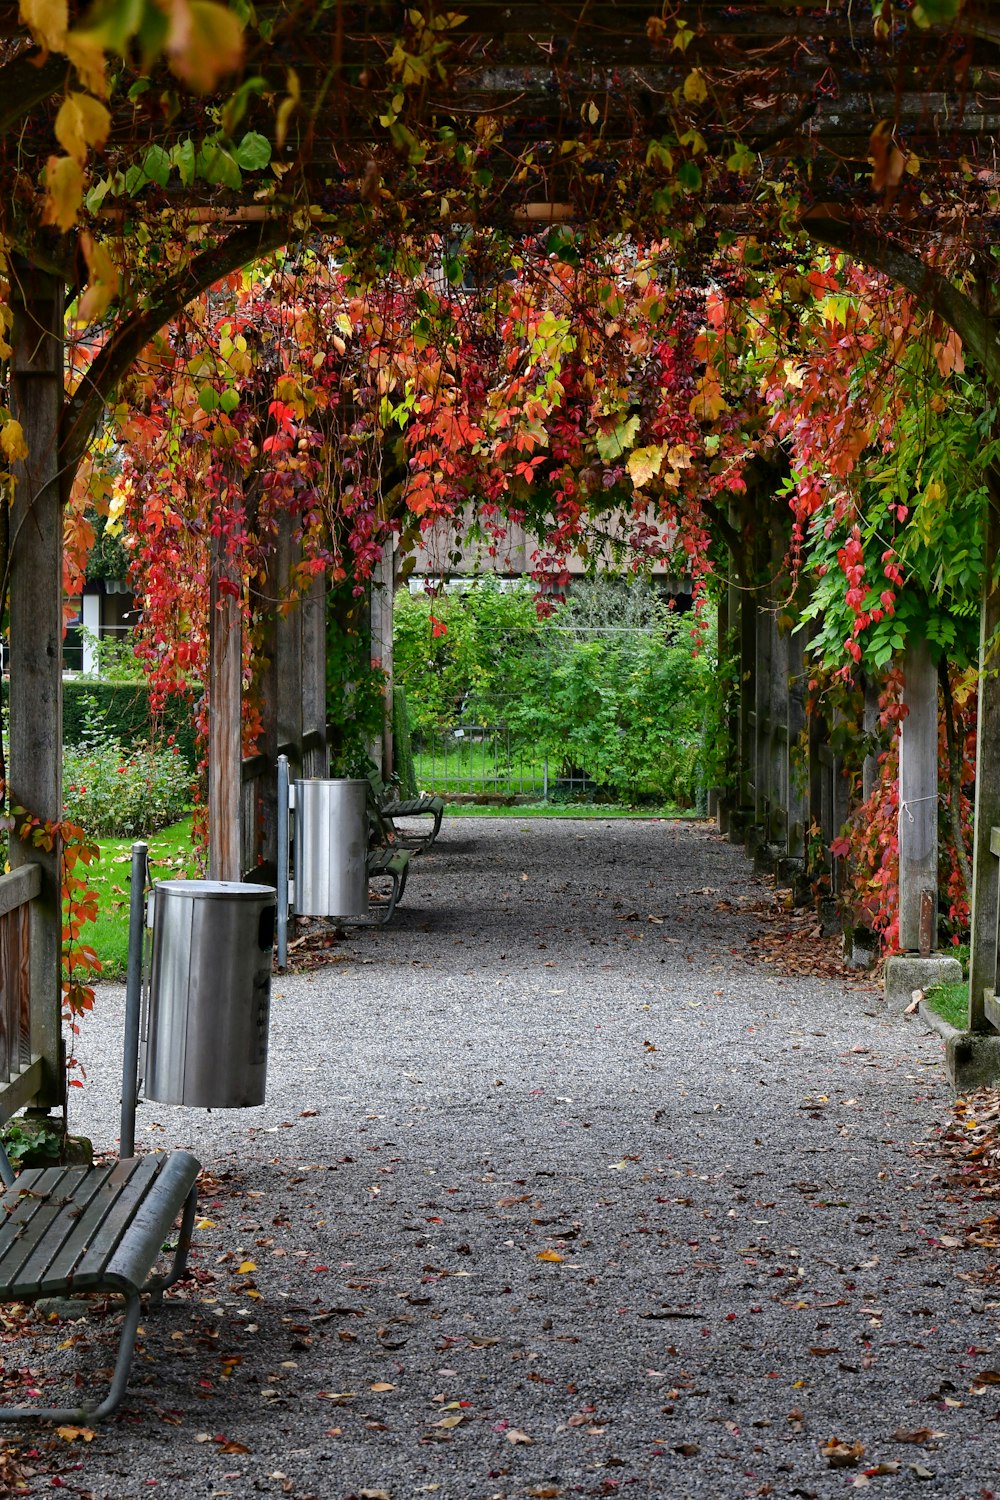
[{"x": 556, "y": 1193}]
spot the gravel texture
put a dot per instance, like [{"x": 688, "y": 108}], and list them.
[{"x": 560, "y": 1190}]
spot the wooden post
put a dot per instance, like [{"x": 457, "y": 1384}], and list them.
[
  {"x": 986, "y": 865},
  {"x": 798, "y": 776},
  {"x": 762, "y": 705},
  {"x": 225, "y": 674},
  {"x": 747, "y": 686},
  {"x": 288, "y": 646},
  {"x": 36, "y": 635},
  {"x": 382, "y": 588},
  {"x": 918, "y": 792},
  {"x": 777, "y": 820},
  {"x": 315, "y": 759},
  {"x": 869, "y": 768}
]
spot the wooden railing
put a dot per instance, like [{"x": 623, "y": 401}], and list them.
[
  {"x": 20, "y": 1073},
  {"x": 258, "y": 789}
]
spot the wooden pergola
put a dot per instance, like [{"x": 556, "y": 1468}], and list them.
[{"x": 555, "y": 107}]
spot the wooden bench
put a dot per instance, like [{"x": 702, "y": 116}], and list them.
[
  {"x": 386, "y": 855},
  {"x": 70, "y": 1230},
  {"x": 66, "y": 1231},
  {"x": 391, "y": 807}
]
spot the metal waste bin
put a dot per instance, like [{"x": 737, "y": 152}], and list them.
[
  {"x": 209, "y": 993},
  {"x": 331, "y": 848}
]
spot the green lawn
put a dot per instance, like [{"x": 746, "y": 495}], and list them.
[
  {"x": 951, "y": 1001},
  {"x": 595, "y": 810},
  {"x": 169, "y": 855}
]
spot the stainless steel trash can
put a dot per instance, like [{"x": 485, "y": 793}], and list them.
[
  {"x": 209, "y": 993},
  {"x": 331, "y": 848}
]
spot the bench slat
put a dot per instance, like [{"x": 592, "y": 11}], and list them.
[
  {"x": 22, "y": 1203},
  {"x": 120, "y": 1203},
  {"x": 134, "y": 1258},
  {"x": 95, "y": 1206},
  {"x": 54, "y": 1232},
  {"x": 413, "y": 807}
]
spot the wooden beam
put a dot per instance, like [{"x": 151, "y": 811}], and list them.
[{"x": 36, "y": 636}]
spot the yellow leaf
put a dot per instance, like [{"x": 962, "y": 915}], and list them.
[
  {"x": 63, "y": 191},
  {"x": 81, "y": 122},
  {"x": 205, "y": 42},
  {"x": 103, "y": 285},
  {"x": 202, "y": 1223},
  {"x": 246, "y": 1267},
  {"x": 12, "y": 440},
  {"x": 285, "y": 108},
  {"x": 695, "y": 89},
  {"x": 47, "y": 20},
  {"x": 552, "y": 1255},
  {"x": 643, "y": 463},
  {"x": 383, "y": 1385},
  {"x": 68, "y": 1434},
  {"x": 515, "y": 1435},
  {"x": 450, "y": 1421},
  {"x": 85, "y": 50},
  {"x": 709, "y": 402}
]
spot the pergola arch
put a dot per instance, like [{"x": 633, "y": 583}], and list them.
[{"x": 520, "y": 115}]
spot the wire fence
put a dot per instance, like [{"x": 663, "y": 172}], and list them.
[{"x": 490, "y": 760}]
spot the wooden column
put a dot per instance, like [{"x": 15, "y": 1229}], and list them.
[
  {"x": 869, "y": 768},
  {"x": 312, "y": 615},
  {"x": 798, "y": 769},
  {"x": 225, "y": 673},
  {"x": 36, "y": 635},
  {"x": 288, "y": 646},
  {"x": 730, "y": 724},
  {"x": 748, "y": 692},
  {"x": 777, "y": 821},
  {"x": 383, "y": 584},
  {"x": 918, "y": 795},
  {"x": 762, "y": 706},
  {"x": 986, "y": 865}
]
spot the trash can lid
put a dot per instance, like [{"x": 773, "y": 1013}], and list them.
[
  {"x": 228, "y": 890},
  {"x": 333, "y": 781}
]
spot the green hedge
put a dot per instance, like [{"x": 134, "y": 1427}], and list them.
[{"x": 124, "y": 707}]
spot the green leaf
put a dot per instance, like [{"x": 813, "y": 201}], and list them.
[
  {"x": 229, "y": 401},
  {"x": 135, "y": 179},
  {"x": 689, "y": 176},
  {"x": 253, "y": 152},
  {"x": 208, "y": 398},
  {"x": 183, "y": 156},
  {"x": 156, "y": 165},
  {"x": 614, "y": 444},
  {"x": 216, "y": 164}
]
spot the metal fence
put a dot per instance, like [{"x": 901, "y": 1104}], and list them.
[{"x": 488, "y": 759}]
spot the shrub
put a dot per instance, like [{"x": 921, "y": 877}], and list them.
[{"x": 122, "y": 791}]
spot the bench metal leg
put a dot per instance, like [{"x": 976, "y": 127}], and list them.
[
  {"x": 119, "y": 1380},
  {"x": 157, "y": 1285}
]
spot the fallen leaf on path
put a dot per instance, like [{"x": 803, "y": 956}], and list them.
[
  {"x": 841, "y": 1455},
  {"x": 70, "y": 1434},
  {"x": 515, "y": 1435},
  {"x": 918, "y": 1435},
  {"x": 552, "y": 1255}
]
